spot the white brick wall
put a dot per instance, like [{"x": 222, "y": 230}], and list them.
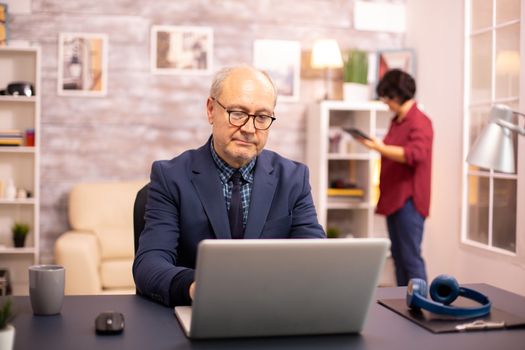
[{"x": 146, "y": 117}]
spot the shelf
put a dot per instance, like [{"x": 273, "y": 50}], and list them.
[
  {"x": 26, "y": 201},
  {"x": 13, "y": 250},
  {"x": 17, "y": 149},
  {"x": 20, "y": 164},
  {"x": 349, "y": 156},
  {"x": 349, "y": 210},
  {"x": 345, "y": 192},
  {"x": 28, "y": 49},
  {"x": 355, "y": 106},
  {"x": 339, "y": 205},
  {"x": 22, "y": 99}
]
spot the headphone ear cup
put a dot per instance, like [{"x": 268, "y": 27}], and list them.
[
  {"x": 417, "y": 288},
  {"x": 444, "y": 289}
]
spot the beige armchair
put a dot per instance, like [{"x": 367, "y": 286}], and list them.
[{"x": 97, "y": 252}]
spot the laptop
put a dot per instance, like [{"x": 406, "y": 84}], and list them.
[{"x": 278, "y": 287}]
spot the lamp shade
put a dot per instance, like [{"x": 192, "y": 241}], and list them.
[
  {"x": 494, "y": 148},
  {"x": 326, "y": 54},
  {"x": 508, "y": 62}
]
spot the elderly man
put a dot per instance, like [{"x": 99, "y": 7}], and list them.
[{"x": 230, "y": 188}]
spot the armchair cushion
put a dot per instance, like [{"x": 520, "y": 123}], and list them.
[
  {"x": 78, "y": 252},
  {"x": 116, "y": 273},
  {"x": 98, "y": 251},
  {"x": 115, "y": 243},
  {"x": 106, "y": 204}
]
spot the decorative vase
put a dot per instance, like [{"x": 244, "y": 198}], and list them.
[
  {"x": 19, "y": 241},
  {"x": 7, "y": 337},
  {"x": 356, "y": 92},
  {"x": 10, "y": 190}
]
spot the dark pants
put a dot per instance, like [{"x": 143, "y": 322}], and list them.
[{"x": 405, "y": 228}]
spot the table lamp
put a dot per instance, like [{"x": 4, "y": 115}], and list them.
[
  {"x": 494, "y": 148},
  {"x": 508, "y": 68},
  {"x": 326, "y": 55}
]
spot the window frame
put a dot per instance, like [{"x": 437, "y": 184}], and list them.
[{"x": 468, "y": 105}]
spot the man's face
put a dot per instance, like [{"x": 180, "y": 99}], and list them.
[{"x": 243, "y": 90}]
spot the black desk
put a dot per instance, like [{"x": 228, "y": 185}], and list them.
[{"x": 153, "y": 326}]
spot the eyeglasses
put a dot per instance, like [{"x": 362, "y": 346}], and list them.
[{"x": 240, "y": 118}]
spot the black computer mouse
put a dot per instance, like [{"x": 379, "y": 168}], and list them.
[{"x": 109, "y": 322}]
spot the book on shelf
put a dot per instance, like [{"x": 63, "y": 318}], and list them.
[
  {"x": 11, "y": 138},
  {"x": 4, "y": 142},
  {"x": 347, "y": 192}
]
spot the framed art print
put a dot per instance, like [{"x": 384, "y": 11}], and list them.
[
  {"x": 181, "y": 50},
  {"x": 400, "y": 59},
  {"x": 281, "y": 59},
  {"x": 4, "y": 25},
  {"x": 82, "y": 64}
]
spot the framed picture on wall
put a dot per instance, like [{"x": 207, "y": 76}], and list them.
[
  {"x": 181, "y": 50},
  {"x": 82, "y": 64},
  {"x": 400, "y": 59},
  {"x": 4, "y": 25},
  {"x": 281, "y": 59}
]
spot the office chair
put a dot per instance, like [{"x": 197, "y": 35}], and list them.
[{"x": 139, "y": 209}]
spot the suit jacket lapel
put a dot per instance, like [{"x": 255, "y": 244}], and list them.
[
  {"x": 209, "y": 189},
  {"x": 264, "y": 185}
]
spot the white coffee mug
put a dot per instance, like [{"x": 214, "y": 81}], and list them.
[{"x": 46, "y": 288}]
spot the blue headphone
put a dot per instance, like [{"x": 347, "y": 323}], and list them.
[{"x": 444, "y": 290}]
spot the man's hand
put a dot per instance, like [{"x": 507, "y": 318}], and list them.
[{"x": 192, "y": 291}]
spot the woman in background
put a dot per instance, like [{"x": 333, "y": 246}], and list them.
[{"x": 406, "y": 161}]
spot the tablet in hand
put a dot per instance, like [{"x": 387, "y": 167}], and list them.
[{"x": 358, "y": 134}]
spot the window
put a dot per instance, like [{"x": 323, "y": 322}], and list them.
[{"x": 492, "y": 69}]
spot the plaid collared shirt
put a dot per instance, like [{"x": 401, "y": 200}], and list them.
[{"x": 225, "y": 174}]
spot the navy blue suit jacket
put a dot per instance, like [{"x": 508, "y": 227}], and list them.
[{"x": 186, "y": 205}]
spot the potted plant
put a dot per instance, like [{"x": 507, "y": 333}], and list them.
[
  {"x": 7, "y": 331},
  {"x": 332, "y": 232},
  {"x": 355, "y": 76},
  {"x": 20, "y": 231}
]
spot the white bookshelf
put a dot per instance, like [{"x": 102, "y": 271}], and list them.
[
  {"x": 20, "y": 163},
  {"x": 348, "y": 161}
]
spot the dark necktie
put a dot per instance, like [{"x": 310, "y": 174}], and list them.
[{"x": 235, "y": 213}]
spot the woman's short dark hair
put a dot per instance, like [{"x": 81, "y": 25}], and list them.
[{"x": 396, "y": 85}]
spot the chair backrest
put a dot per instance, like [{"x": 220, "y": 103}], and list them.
[
  {"x": 139, "y": 208},
  {"x": 105, "y": 209}
]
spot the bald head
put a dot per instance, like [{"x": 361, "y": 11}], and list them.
[{"x": 242, "y": 72}]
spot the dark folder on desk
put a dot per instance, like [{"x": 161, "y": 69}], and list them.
[{"x": 497, "y": 319}]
